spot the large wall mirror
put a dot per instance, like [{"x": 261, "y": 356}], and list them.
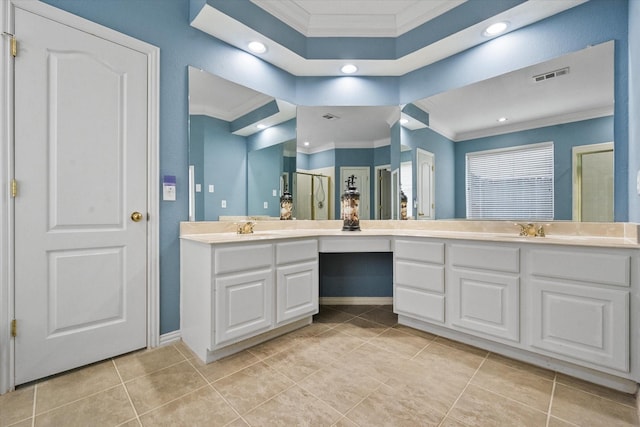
[{"x": 568, "y": 101}]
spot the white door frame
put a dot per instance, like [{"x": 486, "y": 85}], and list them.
[
  {"x": 420, "y": 153},
  {"x": 7, "y": 378},
  {"x": 577, "y": 151}
]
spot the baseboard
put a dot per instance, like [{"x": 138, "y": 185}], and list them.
[
  {"x": 356, "y": 300},
  {"x": 170, "y": 338}
]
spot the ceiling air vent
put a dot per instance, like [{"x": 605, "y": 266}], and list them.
[
  {"x": 330, "y": 116},
  {"x": 551, "y": 74}
]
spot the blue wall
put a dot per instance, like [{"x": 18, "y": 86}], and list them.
[
  {"x": 263, "y": 176},
  {"x": 564, "y": 137},
  {"x": 165, "y": 23},
  {"x": 634, "y": 109},
  {"x": 356, "y": 274}
]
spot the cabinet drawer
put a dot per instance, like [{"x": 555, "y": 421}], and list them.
[
  {"x": 421, "y": 276},
  {"x": 495, "y": 258},
  {"x": 600, "y": 268},
  {"x": 418, "y": 304},
  {"x": 290, "y": 252},
  {"x": 242, "y": 258},
  {"x": 420, "y": 251}
]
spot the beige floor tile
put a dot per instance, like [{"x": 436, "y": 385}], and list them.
[
  {"x": 185, "y": 350},
  {"x": 294, "y": 407},
  {"x": 131, "y": 423},
  {"x": 252, "y": 386},
  {"x": 74, "y": 385},
  {"x": 450, "y": 359},
  {"x": 616, "y": 396},
  {"x": 271, "y": 347},
  {"x": 386, "y": 307},
  {"x": 518, "y": 384},
  {"x": 203, "y": 407},
  {"x": 352, "y": 309},
  {"x": 478, "y": 407},
  {"x": 557, "y": 422},
  {"x": 165, "y": 385},
  {"x": 397, "y": 341},
  {"x": 462, "y": 346},
  {"x": 226, "y": 366},
  {"x": 24, "y": 423},
  {"x": 387, "y": 407},
  {"x": 238, "y": 422},
  {"x": 338, "y": 387},
  {"x": 583, "y": 408},
  {"x": 372, "y": 361},
  {"x": 361, "y": 328},
  {"x": 16, "y": 406},
  {"x": 345, "y": 422},
  {"x": 452, "y": 422},
  {"x": 147, "y": 361},
  {"x": 331, "y": 317},
  {"x": 311, "y": 330},
  {"x": 382, "y": 316},
  {"x": 109, "y": 407},
  {"x": 516, "y": 364},
  {"x": 298, "y": 362},
  {"x": 337, "y": 343},
  {"x": 412, "y": 331}
]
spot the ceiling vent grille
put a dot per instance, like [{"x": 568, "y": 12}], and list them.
[
  {"x": 330, "y": 116},
  {"x": 551, "y": 74}
]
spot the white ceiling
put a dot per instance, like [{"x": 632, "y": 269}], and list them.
[{"x": 350, "y": 17}]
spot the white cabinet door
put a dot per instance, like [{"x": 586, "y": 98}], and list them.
[
  {"x": 297, "y": 291},
  {"x": 584, "y": 323},
  {"x": 243, "y": 305},
  {"x": 485, "y": 302}
]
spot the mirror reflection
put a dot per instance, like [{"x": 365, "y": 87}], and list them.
[{"x": 240, "y": 170}]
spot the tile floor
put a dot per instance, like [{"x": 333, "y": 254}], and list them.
[{"x": 354, "y": 366}]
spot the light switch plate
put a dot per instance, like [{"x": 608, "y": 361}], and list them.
[
  {"x": 211, "y": 188},
  {"x": 198, "y": 188},
  {"x": 266, "y": 205},
  {"x": 275, "y": 193},
  {"x": 223, "y": 204}
]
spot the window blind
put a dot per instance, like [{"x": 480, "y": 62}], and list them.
[{"x": 511, "y": 183}]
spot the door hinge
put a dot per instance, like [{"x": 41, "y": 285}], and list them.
[
  {"x": 433, "y": 168},
  {"x": 13, "y": 44},
  {"x": 14, "y": 188},
  {"x": 14, "y": 328}
]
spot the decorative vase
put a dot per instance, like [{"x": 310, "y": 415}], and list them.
[{"x": 350, "y": 203}]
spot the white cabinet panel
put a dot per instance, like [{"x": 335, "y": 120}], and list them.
[
  {"x": 485, "y": 302},
  {"x": 418, "y": 304},
  {"x": 243, "y": 304},
  {"x": 421, "y": 276},
  {"x": 354, "y": 244},
  {"x": 485, "y": 257},
  {"x": 242, "y": 258},
  {"x": 593, "y": 267},
  {"x": 584, "y": 323},
  {"x": 297, "y": 291},
  {"x": 290, "y": 252},
  {"x": 419, "y": 250}
]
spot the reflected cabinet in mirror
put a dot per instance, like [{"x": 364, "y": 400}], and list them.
[{"x": 533, "y": 144}]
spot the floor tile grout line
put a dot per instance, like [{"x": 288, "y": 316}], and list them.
[
  {"x": 464, "y": 389},
  {"x": 77, "y": 400},
  {"x": 596, "y": 394},
  {"x": 126, "y": 391},
  {"x": 553, "y": 391},
  {"x": 33, "y": 410},
  {"x": 153, "y": 372}
]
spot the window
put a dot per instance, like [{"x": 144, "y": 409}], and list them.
[{"x": 511, "y": 183}]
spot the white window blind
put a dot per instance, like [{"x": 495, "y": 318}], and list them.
[{"x": 511, "y": 183}]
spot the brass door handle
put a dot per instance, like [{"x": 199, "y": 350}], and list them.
[{"x": 136, "y": 217}]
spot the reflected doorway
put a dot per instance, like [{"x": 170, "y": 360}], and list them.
[
  {"x": 383, "y": 192},
  {"x": 425, "y": 182},
  {"x": 593, "y": 182},
  {"x": 310, "y": 196}
]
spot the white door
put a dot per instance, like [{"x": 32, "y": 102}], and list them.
[
  {"x": 80, "y": 164},
  {"x": 425, "y": 182},
  {"x": 362, "y": 184}
]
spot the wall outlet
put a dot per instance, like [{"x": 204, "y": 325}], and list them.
[
  {"x": 198, "y": 188},
  {"x": 266, "y": 205},
  {"x": 223, "y": 204},
  {"x": 210, "y": 188},
  {"x": 275, "y": 193}
]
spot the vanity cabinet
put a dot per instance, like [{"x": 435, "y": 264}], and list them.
[
  {"x": 297, "y": 280},
  {"x": 418, "y": 288},
  {"x": 484, "y": 289},
  {"x": 580, "y": 306}
]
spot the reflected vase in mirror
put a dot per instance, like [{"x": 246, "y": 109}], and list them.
[
  {"x": 350, "y": 202},
  {"x": 403, "y": 205},
  {"x": 286, "y": 205}
]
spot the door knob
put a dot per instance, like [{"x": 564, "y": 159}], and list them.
[{"x": 136, "y": 217}]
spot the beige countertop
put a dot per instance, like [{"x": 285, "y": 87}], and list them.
[{"x": 612, "y": 235}]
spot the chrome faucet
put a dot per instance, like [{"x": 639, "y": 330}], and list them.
[
  {"x": 246, "y": 227},
  {"x": 531, "y": 230}
]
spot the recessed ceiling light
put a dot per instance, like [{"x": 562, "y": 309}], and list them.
[
  {"x": 261, "y": 126},
  {"x": 306, "y": 143},
  {"x": 257, "y": 47},
  {"x": 502, "y": 119},
  {"x": 404, "y": 121},
  {"x": 495, "y": 29},
  {"x": 349, "y": 69}
]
